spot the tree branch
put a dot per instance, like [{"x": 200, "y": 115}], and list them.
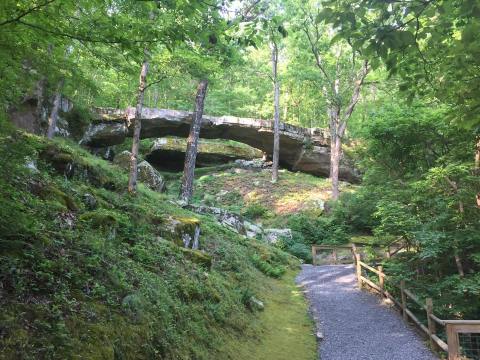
[
  {"x": 26, "y": 12},
  {"x": 355, "y": 97}
]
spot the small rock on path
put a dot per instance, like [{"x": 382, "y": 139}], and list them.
[{"x": 354, "y": 323}]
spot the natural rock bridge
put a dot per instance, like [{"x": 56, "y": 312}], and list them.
[{"x": 301, "y": 149}]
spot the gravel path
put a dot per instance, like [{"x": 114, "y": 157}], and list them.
[{"x": 354, "y": 323}]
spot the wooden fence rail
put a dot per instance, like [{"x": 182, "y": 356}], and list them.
[{"x": 453, "y": 328}]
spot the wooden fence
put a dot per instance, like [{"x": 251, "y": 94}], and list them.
[
  {"x": 334, "y": 251},
  {"x": 463, "y": 336}
]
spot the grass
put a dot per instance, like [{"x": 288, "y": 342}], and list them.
[
  {"x": 238, "y": 189},
  {"x": 287, "y": 331},
  {"x": 110, "y": 282}
]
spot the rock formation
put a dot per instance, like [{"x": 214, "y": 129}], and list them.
[
  {"x": 301, "y": 149},
  {"x": 169, "y": 152}
]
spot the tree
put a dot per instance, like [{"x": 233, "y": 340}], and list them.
[
  {"x": 342, "y": 76},
  {"x": 186, "y": 190},
  {"x": 137, "y": 125},
  {"x": 276, "y": 112},
  {"x": 52, "y": 119},
  {"x": 432, "y": 46}
]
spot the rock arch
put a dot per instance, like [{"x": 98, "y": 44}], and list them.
[{"x": 301, "y": 149}]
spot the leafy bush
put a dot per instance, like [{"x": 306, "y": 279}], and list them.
[
  {"x": 255, "y": 211},
  {"x": 318, "y": 229},
  {"x": 355, "y": 210},
  {"x": 301, "y": 251}
]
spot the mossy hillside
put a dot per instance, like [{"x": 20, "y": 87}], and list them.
[
  {"x": 298, "y": 201},
  {"x": 286, "y": 327},
  {"x": 103, "y": 283},
  {"x": 252, "y": 193}
]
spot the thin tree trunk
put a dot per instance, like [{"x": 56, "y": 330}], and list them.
[
  {"x": 477, "y": 166},
  {"x": 186, "y": 190},
  {"x": 40, "y": 95},
  {"x": 461, "y": 210},
  {"x": 335, "y": 165},
  {"x": 52, "y": 120},
  {"x": 276, "y": 115},
  {"x": 137, "y": 127}
]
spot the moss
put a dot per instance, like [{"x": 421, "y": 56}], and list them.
[
  {"x": 198, "y": 257},
  {"x": 288, "y": 331},
  {"x": 100, "y": 218},
  {"x": 62, "y": 294},
  {"x": 175, "y": 227},
  {"x": 53, "y": 194},
  {"x": 61, "y": 160}
]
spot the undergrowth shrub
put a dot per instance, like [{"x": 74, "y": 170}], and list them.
[
  {"x": 317, "y": 229},
  {"x": 255, "y": 211}
]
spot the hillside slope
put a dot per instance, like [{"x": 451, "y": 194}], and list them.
[{"x": 88, "y": 271}]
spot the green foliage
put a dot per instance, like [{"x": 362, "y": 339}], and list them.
[
  {"x": 439, "y": 33},
  {"x": 316, "y": 229},
  {"x": 355, "y": 210},
  {"x": 419, "y": 186},
  {"x": 254, "y": 211}
]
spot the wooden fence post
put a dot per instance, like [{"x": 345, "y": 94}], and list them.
[
  {"x": 314, "y": 255},
  {"x": 381, "y": 281},
  {"x": 432, "y": 328},
  {"x": 404, "y": 300},
  {"x": 453, "y": 344},
  {"x": 359, "y": 271}
]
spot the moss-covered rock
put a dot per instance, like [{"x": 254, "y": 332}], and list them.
[
  {"x": 146, "y": 172},
  {"x": 198, "y": 257},
  {"x": 123, "y": 159},
  {"x": 61, "y": 160},
  {"x": 51, "y": 193},
  {"x": 100, "y": 218},
  {"x": 170, "y": 152},
  {"x": 150, "y": 177},
  {"x": 184, "y": 231}
]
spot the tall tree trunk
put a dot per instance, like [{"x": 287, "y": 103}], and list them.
[
  {"x": 137, "y": 127},
  {"x": 52, "y": 120},
  {"x": 461, "y": 210},
  {"x": 338, "y": 126},
  {"x": 335, "y": 149},
  {"x": 477, "y": 166},
  {"x": 186, "y": 190},
  {"x": 335, "y": 165},
  {"x": 40, "y": 95},
  {"x": 276, "y": 113}
]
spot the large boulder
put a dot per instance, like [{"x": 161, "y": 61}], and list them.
[
  {"x": 150, "y": 177},
  {"x": 272, "y": 236},
  {"x": 231, "y": 220},
  {"x": 147, "y": 174},
  {"x": 184, "y": 231},
  {"x": 103, "y": 134}
]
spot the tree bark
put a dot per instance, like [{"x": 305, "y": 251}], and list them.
[
  {"x": 40, "y": 95},
  {"x": 186, "y": 190},
  {"x": 477, "y": 167},
  {"x": 52, "y": 120},
  {"x": 137, "y": 127},
  {"x": 276, "y": 113},
  {"x": 338, "y": 126},
  {"x": 461, "y": 210},
  {"x": 335, "y": 165}
]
